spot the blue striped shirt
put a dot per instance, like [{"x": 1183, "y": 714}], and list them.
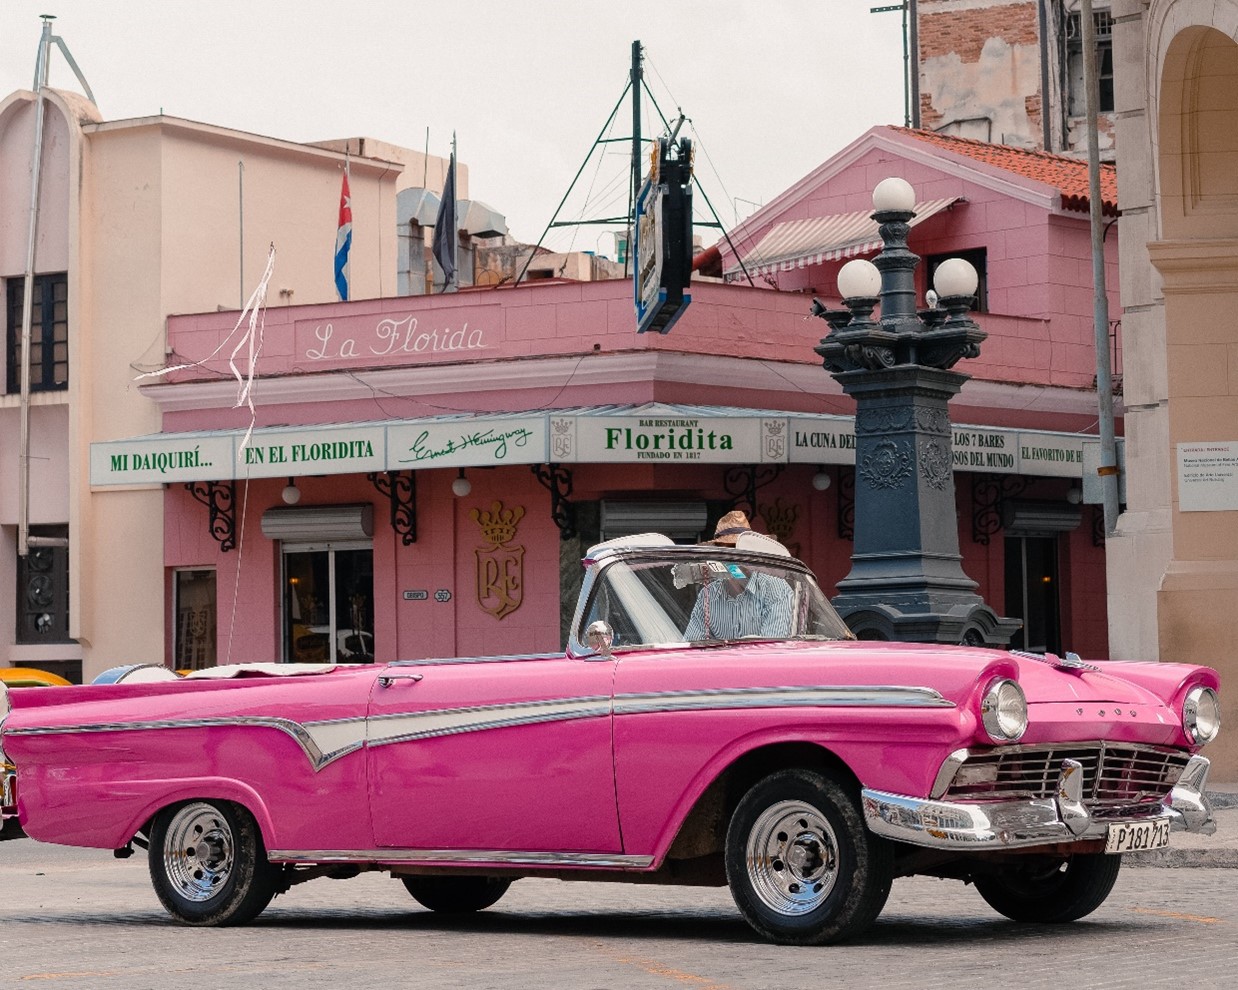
[{"x": 761, "y": 608}]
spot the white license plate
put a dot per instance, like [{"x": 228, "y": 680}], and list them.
[{"x": 1137, "y": 836}]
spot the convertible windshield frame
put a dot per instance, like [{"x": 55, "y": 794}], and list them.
[{"x": 657, "y": 598}]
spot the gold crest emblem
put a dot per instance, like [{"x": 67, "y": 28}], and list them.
[{"x": 500, "y": 566}]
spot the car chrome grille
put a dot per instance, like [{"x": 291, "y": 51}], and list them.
[{"x": 1112, "y": 773}]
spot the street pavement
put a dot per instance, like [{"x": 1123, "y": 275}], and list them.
[{"x": 1192, "y": 849}]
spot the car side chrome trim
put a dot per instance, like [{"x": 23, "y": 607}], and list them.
[
  {"x": 322, "y": 742},
  {"x": 822, "y": 696},
  {"x": 326, "y": 741},
  {"x": 398, "y": 727},
  {"x": 462, "y": 857},
  {"x": 502, "y": 658}
]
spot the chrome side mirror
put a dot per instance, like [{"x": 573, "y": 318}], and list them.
[{"x": 599, "y": 637}]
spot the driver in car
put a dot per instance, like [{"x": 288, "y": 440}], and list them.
[{"x": 739, "y": 601}]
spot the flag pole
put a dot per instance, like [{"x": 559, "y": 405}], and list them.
[
  {"x": 445, "y": 243},
  {"x": 453, "y": 281}
]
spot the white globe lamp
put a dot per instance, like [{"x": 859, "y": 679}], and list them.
[
  {"x": 955, "y": 278},
  {"x": 859, "y": 279},
  {"x": 894, "y": 195}
]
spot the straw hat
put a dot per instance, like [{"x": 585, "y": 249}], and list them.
[{"x": 729, "y": 529}]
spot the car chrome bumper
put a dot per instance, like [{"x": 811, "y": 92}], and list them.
[{"x": 1035, "y": 821}]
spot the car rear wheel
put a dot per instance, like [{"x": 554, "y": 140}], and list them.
[
  {"x": 456, "y": 895},
  {"x": 1052, "y": 891},
  {"x": 208, "y": 865},
  {"x": 801, "y": 866}
]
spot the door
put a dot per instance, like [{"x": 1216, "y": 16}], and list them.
[
  {"x": 499, "y": 754},
  {"x": 1032, "y": 593},
  {"x": 328, "y": 603}
]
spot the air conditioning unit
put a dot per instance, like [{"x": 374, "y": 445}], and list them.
[{"x": 678, "y": 520}]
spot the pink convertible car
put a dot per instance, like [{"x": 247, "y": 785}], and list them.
[{"x": 688, "y": 735}]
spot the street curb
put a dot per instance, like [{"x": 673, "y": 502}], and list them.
[
  {"x": 1206, "y": 859},
  {"x": 1216, "y": 851}
]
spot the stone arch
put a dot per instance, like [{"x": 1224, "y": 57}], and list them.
[{"x": 1197, "y": 127}]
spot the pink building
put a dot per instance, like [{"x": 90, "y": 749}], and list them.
[{"x": 424, "y": 472}]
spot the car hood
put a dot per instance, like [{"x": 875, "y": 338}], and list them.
[{"x": 956, "y": 672}]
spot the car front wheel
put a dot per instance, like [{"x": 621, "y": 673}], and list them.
[
  {"x": 208, "y": 865},
  {"x": 1051, "y": 891},
  {"x": 801, "y": 866},
  {"x": 456, "y": 895}
]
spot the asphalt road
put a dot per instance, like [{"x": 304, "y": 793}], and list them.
[{"x": 81, "y": 919}]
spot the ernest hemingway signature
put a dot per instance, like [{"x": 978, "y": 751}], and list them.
[{"x": 495, "y": 439}]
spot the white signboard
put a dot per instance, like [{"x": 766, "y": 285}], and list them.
[
  {"x": 823, "y": 441},
  {"x": 467, "y": 442},
  {"x": 148, "y": 460},
  {"x": 660, "y": 436},
  {"x": 674, "y": 440},
  {"x": 1207, "y": 477},
  {"x": 1051, "y": 455},
  {"x": 985, "y": 451},
  {"x": 325, "y": 450}
]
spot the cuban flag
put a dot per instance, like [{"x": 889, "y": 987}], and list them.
[{"x": 343, "y": 240}]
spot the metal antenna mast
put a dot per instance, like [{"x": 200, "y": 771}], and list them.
[{"x": 636, "y": 83}]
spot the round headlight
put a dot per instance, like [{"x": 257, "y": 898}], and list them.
[
  {"x": 1004, "y": 711},
  {"x": 1201, "y": 715}
]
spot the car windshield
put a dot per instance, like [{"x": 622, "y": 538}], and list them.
[{"x": 709, "y": 598}]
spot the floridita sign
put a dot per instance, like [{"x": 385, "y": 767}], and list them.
[
  {"x": 667, "y": 439},
  {"x": 653, "y": 434}
]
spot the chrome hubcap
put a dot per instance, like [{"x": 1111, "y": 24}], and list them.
[
  {"x": 792, "y": 857},
  {"x": 198, "y": 852}
]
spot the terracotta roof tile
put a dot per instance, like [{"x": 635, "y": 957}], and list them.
[{"x": 1069, "y": 175}]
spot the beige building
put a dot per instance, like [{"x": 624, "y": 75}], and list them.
[
  {"x": 139, "y": 219},
  {"x": 1173, "y": 565},
  {"x": 1011, "y": 72}
]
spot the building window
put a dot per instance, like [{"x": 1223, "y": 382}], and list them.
[
  {"x": 193, "y": 603},
  {"x": 1077, "y": 89},
  {"x": 49, "y": 333},
  {"x": 976, "y": 257},
  {"x": 43, "y": 590},
  {"x": 328, "y": 603}
]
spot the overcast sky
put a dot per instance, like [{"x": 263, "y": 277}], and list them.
[{"x": 772, "y": 87}]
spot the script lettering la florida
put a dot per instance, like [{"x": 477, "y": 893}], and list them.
[
  {"x": 496, "y": 440},
  {"x": 394, "y": 337}
]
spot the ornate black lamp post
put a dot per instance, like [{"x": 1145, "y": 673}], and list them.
[{"x": 906, "y": 580}]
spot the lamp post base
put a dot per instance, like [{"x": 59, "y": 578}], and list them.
[{"x": 924, "y": 620}]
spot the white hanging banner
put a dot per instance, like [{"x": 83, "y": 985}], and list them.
[
  {"x": 467, "y": 442},
  {"x": 823, "y": 441},
  {"x": 321, "y": 450},
  {"x": 667, "y": 440},
  {"x": 154, "y": 460},
  {"x": 667, "y": 436}
]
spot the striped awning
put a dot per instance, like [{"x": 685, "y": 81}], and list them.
[{"x": 798, "y": 243}]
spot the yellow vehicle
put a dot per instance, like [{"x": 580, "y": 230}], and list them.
[
  {"x": 18, "y": 677},
  {"x": 30, "y": 677}
]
